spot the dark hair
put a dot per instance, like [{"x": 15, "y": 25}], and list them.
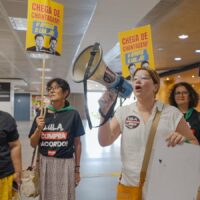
[
  {"x": 194, "y": 97},
  {"x": 153, "y": 74},
  {"x": 39, "y": 35},
  {"x": 130, "y": 65},
  {"x": 52, "y": 38},
  {"x": 144, "y": 62},
  {"x": 63, "y": 84}
]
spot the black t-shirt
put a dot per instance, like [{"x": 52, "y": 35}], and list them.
[
  {"x": 57, "y": 137},
  {"x": 194, "y": 122},
  {"x": 8, "y": 133}
]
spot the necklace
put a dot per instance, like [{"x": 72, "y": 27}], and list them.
[{"x": 188, "y": 113}]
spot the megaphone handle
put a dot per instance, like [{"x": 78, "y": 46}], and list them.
[
  {"x": 86, "y": 76},
  {"x": 86, "y": 106},
  {"x": 108, "y": 114},
  {"x": 92, "y": 55},
  {"x": 119, "y": 86}
]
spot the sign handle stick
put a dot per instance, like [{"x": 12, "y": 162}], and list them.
[{"x": 42, "y": 113}]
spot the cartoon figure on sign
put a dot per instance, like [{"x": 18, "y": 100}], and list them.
[
  {"x": 52, "y": 48},
  {"x": 131, "y": 68},
  {"x": 39, "y": 42},
  {"x": 145, "y": 64}
]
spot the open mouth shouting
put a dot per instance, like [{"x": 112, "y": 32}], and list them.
[{"x": 138, "y": 88}]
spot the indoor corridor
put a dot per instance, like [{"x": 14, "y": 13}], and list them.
[{"x": 100, "y": 166}]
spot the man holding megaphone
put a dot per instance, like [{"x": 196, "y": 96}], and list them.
[{"x": 137, "y": 124}]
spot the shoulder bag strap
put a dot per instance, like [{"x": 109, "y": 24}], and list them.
[
  {"x": 35, "y": 157},
  {"x": 149, "y": 146}
]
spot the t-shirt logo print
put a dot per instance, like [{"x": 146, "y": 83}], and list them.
[{"x": 132, "y": 122}]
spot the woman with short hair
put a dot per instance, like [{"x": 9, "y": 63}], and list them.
[
  {"x": 57, "y": 135},
  {"x": 133, "y": 123}
]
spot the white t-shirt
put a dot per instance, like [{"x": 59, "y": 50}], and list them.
[{"x": 135, "y": 134}]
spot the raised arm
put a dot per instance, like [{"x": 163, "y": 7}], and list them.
[{"x": 109, "y": 132}]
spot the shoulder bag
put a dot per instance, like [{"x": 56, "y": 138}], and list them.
[
  {"x": 135, "y": 193},
  {"x": 30, "y": 177}
]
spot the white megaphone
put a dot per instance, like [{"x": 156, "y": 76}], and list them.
[{"x": 90, "y": 65}]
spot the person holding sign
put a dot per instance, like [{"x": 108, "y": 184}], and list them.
[
  {"x": 134, "y": 123},
  {"x": 57, "y": 135}
]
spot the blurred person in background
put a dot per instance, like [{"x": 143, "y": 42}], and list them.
[
  {"x": 185, "y": 98},
  {"x": 10, "y": 157}
]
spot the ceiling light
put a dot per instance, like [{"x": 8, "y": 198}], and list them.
[
  {"x": 19, "y": 24},
  {"x": 183, "y": 37},
  {"x": 17, "y": 88},
  {"x": 193, "y": 76},
  {"x": 46, "y": 69},
  {"x": 47, "y": 77},
  {"x": 167, "y": 79},
  {"x": 36, "y": 82},
  {"x": 179, "y": 76},
  {"x": 177, "y": 59},
  {"x": 197, "y": 50}
]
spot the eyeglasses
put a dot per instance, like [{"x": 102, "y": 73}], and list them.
[
  {"x": 143, "y": 77},
  {"x": 56, "y": 87},
  {"x": 181, "y": 93}
]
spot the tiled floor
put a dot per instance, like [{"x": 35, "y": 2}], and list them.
[{"x": 100, "y": 167}]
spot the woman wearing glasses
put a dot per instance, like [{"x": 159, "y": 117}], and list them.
[
  {"x": 185, "y": 98},
  {"x": 57, "y": 135},
  {"x": 133, "y": 122}
]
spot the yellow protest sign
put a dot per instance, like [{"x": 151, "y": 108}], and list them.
[
  {"x": 44, "y": 26},
  {"x": 136, "y": 48}
]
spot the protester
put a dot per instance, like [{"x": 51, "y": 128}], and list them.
[
  {"x": 185, "y": 98},
  {"x": 10, "y": 156},
  {"x": 58, "y": 136},
  {"x": 133, "y": 123}
]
